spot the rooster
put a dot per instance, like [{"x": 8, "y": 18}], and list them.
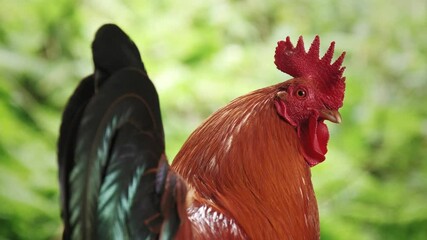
[{"x": 243, "y": 174}]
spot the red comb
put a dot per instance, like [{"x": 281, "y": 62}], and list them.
[{"x": 296, "y": 62}]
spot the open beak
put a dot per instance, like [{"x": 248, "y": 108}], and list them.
[{"x": 331, "y": 115}]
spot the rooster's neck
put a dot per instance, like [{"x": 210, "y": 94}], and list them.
[{"x": 246, "y": 160}]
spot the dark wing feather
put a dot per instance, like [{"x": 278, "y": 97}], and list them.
[
  {"x": 108, "y": 161},
  {"x": 115, "y": 180}
]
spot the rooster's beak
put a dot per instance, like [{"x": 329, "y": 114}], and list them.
[{"x": 331, "y": 115}]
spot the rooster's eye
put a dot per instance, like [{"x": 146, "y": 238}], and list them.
[{"x": 301, "y": 93}]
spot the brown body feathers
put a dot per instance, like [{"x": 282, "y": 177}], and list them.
[{"x": 244, "y": 161}]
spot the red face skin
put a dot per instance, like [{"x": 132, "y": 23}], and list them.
[{"x": 300, "y": 102}]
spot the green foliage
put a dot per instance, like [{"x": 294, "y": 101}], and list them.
[{"x": 201, "y": 55}]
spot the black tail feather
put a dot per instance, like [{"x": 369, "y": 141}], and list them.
[
  {"x": 67, "y": 139},
  {"x": 115, "y": 180},
  {"x": 113, "y": 50}
]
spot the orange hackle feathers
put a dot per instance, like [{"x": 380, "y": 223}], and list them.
[
  {"x": 245, "y": 161},
  {"x": 296, "y": 62}
]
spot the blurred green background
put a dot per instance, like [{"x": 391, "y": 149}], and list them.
[{"x": 201, "y": 55}]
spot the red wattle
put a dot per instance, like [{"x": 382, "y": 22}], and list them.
[{"x": 314, "y": 137}]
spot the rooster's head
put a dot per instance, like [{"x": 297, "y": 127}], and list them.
[{"x": 314, "y": 94}]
